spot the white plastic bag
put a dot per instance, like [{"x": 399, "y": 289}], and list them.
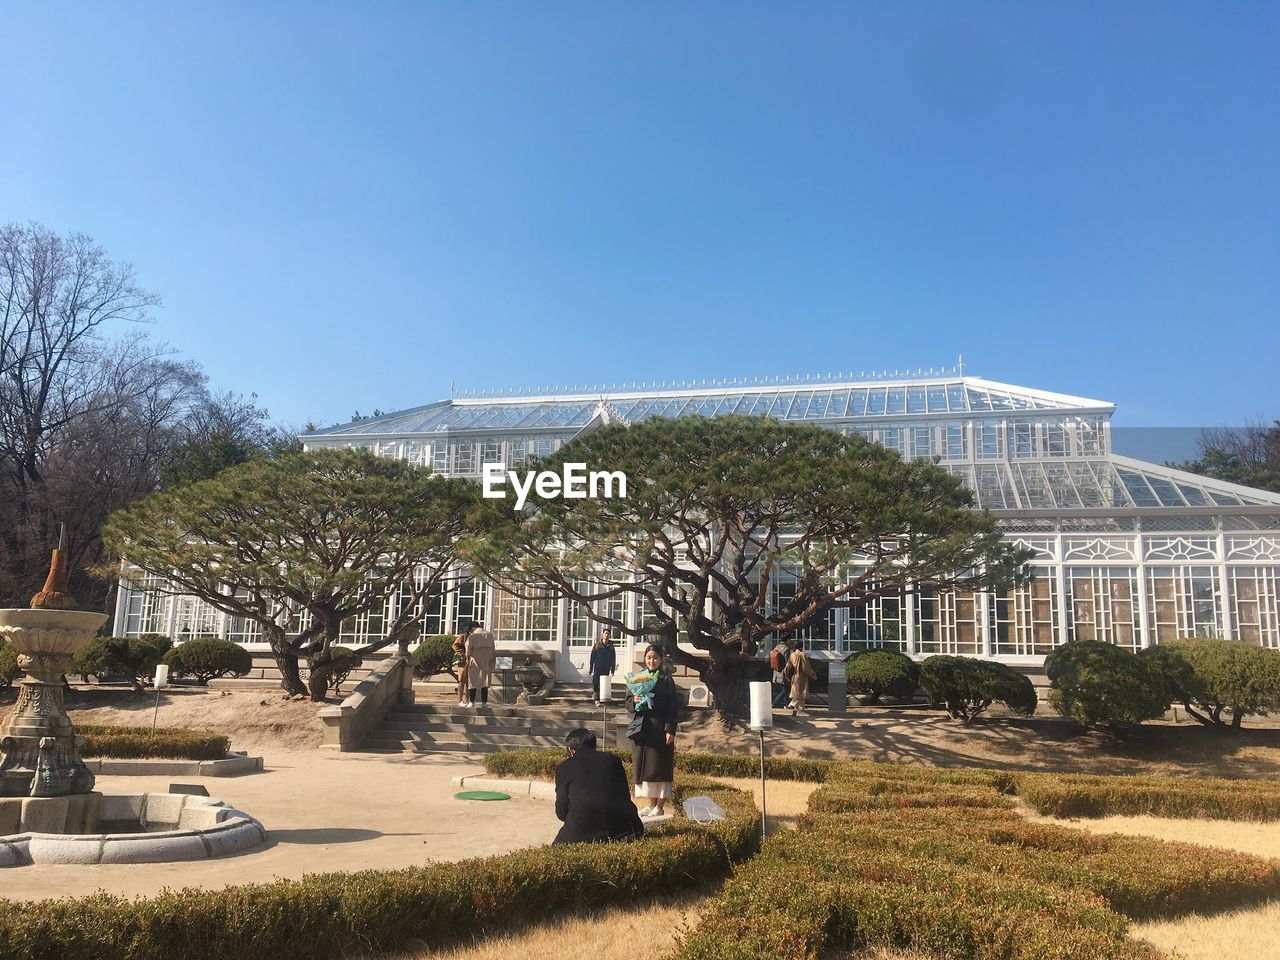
[{"x": 703, "y": 810}]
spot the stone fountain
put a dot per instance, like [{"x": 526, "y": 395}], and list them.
[
  {"x": 39, "y": 749},
  {"x": 49, "y": 811}
]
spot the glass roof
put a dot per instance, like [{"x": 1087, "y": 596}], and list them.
[
  {"x": 1077, "y": 484},
  {"x": 794, "y": 403}
]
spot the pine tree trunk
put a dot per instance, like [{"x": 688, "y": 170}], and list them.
[
  {"x": 727, "y": 681},
  {"x": 287, "y": 663}
]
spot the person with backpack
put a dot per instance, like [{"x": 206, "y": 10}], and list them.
[
  {"x": 777, "y": 664},
  {"x": 798, "y": 673}
]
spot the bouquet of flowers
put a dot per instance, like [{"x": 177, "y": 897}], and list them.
[{"x": 640, "y": 685}]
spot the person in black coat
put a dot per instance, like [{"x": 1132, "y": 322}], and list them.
[
  {"x": 603, "y": 662},
  {"x": 653, "y": 755},
  {"x": 592, "y": 796}
]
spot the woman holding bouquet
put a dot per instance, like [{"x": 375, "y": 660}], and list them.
[{"x": 655, "y": 700}]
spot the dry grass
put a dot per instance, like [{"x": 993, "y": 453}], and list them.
[
  {"x": 787, "y": 799},
  {"x": 1223, "y": 936},
  {"x": 651, "y": 931},
  {"x": 1259, "y": 839},
  {"x": 1240, "y": 934}
]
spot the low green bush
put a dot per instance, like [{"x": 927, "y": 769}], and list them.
[
  {"x": 883, "y": 673},
  {"x": 1079, "y": 795},
  {"x": 541, "y": 765},
  {"x": 138, "y": 743},
  {"x": 339, "y": 915},
  {"x": 1100, "y": 684},
  {"x": 209, "y": 658},
  {"x": 434, "y": 655},
  {"x": 1208, "y": 676},
  {"x": 134, "y": 658},
  {"x": 966, "y": 687},
  {"x": 950, "y": 871},
  {"x": 9, "y": 669}
]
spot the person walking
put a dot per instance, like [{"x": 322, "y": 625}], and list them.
[
  {"x": 802, "y": 672},
  {"x": 653, "y": 756},
  {"x": 604, "y": 661},
  {"x": 460, "y": 661},
  {"x": 777, "y": 665},
  {"x": 592, "y": 796},
  {"x": 480, "y": 654}
]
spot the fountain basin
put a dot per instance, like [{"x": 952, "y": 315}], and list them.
[{"x": 125, "y": 828}]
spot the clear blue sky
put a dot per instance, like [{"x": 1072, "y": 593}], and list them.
[{"x": 347, "y": 206}]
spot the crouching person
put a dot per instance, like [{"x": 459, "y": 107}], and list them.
[{"x": 592, "y": 795}]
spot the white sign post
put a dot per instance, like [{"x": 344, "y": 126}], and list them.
[
  {"x": 761, "y": 699},
  {"x": 161, "y": 680}
]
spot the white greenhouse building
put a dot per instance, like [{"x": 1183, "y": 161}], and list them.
[{"x": 1125, "y": 551}]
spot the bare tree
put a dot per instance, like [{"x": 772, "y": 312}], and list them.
[{"x": 91, "y": 416}]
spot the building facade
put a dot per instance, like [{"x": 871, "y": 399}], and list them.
[{"x": 1126, "y": 552}]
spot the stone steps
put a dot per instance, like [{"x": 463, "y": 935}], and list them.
[{"x": 430, "y": 727}]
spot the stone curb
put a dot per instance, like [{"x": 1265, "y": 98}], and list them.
[
  {"x": 203, "y": 827},
  {"x": 538, "y": 789},
  {"x": 231, "y": 766}
]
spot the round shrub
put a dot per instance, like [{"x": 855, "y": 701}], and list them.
[
  {"x": 884, "y": 673},
  {"x": 348, "y": 662},
  {"x": 1217, "y": 675},
  {"x": 433, "y": 655},
  {"x": 966, "y": 687},
  {"x": 1101, "y": 684},
  {"x": 134, "y": 658},
  {"x": 208, "y": 658},
  {"x": 9, "y": 669}
]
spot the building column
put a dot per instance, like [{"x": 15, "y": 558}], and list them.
[
  {"x": 1227, "y": 621},
  {"x": 908, "y": 621},
  {"x": 1144, "y": 624},
  {"x": 984, "y": 600},
  {"x": 122, "y": 605},
  {"x": 1064, "y": 633}
]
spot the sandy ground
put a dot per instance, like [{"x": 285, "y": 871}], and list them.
[
  {"x": 259, "y": 720},
  {"x": 324, "y": 811},
  {"x": 1017, "y": 743},
  {"x": 255, "y": 720}
]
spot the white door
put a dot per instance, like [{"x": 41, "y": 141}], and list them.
[{"x": 581, "y": 632}]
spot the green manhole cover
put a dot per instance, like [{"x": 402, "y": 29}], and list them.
[{"x": 482, "y": 795}]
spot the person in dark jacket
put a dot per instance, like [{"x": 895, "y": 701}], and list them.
[
  {"x": 604, "y": 661},
  {"x": 591, "y": 794},
  {"x": 653, "y": 755}
]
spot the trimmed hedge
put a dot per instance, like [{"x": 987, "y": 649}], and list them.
[
  {"x": 209, "y": 658},
  {"x": 951, "y": 872},
  {"x": 1059, "y": 795},
  {"x": 434, "y": 655},
  {"x": 1100, "y": 684},
  {"x": 143, "y": 743},
  {"x": 1080, "y": 795},
  {"x": 966, "y": 687},
  {"x": 541, "y": 765},
  {"x": 883, "y": 673},
  {"x": 132, "y": 657},
  {"x": 1217, "y": 675},
  {"x": 338, "y": 915}
]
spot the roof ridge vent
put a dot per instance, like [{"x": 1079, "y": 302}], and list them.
[{"x": 807, "y": 379}]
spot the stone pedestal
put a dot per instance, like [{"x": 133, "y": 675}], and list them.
[{"x": 39, "y": 750}]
